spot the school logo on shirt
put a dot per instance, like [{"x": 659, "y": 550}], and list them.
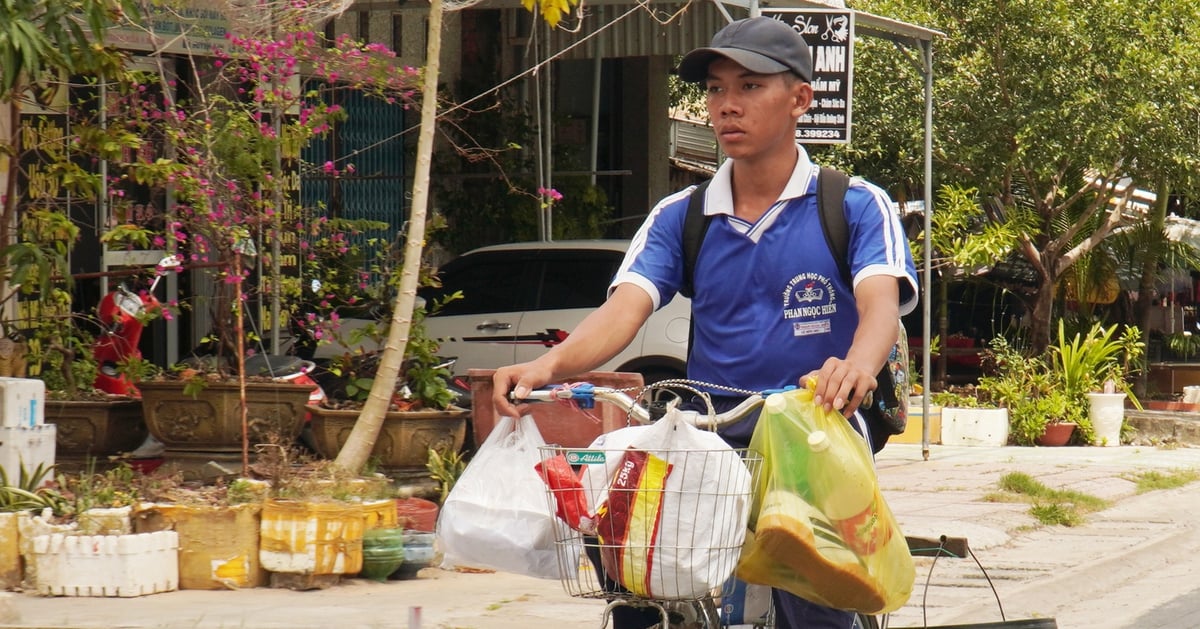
[{"x": 809, "y": 302}]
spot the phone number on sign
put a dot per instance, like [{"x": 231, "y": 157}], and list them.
[{"x": 823, "y": 134}]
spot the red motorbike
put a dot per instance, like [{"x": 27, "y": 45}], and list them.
[{"x": 122, "y": 313}]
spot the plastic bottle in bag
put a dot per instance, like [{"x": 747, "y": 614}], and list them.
[
  {"x": 788, "y": 461},
  {"x": 846, "y": 492}
]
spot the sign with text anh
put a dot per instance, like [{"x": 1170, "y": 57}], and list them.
[{"x": 830, "y": 35}]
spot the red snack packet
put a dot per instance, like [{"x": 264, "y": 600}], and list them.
[{"x": 569, "y": 497}]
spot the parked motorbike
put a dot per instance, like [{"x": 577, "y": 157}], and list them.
[{"x": 122, "y": 313}]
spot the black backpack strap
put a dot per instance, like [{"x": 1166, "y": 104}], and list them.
[
  {"x": 695, "y": 226},
  {"x": 831, "y": 205},
  {"x": 832, "y": 185}
]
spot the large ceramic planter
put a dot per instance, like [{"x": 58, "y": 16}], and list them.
[
  {"x": 1107, "y": 414},
  {"x": 403, "y": 442},
  {"x": 211, "y": 423},
  {"x": 95, "y": 428}
]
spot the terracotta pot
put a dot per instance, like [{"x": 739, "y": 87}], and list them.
[
  {"x": 403, "y": 442},
  {"x": 417, "y": 514},
  {"x": 1056, "y": 434}
]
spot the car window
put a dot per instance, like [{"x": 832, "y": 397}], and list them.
[
  {"x": 578, "y": 279},
  {"x": 489, "y": 283}
]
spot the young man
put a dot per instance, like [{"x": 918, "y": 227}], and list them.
[{"x": 770, "y": 304}]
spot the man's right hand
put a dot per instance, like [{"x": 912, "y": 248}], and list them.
[
  {"x": 599, "y": 337},
  {"x": 520, "y": 380}
]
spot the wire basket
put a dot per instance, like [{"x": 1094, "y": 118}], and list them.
[{"x": 663, "y": 525}]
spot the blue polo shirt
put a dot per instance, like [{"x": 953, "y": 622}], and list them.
[{"x": 770, "y": 304}]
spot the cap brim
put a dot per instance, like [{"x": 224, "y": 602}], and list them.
[{"x": 694, "y": 67}]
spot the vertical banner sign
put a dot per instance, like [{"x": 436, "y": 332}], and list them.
[
  {"x": 830, "y": 35},
  {"x": 289, "y": 251},
  {"x": 45, "y": 141}
]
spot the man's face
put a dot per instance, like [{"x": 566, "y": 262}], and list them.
[{"x": 754, "y": 114}]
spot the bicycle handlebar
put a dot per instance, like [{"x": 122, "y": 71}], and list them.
[{"x": 586, "y": 394}]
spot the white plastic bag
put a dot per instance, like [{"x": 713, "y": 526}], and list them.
[
  {"x": 701, "y": 514},
  {"x": 498, "y": 516}
]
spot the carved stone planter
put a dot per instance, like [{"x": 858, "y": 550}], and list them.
[
  {"x": 95, "y": 428},
  {"x": 403, "y": 442},
  {"x": 209, "y": 425}
]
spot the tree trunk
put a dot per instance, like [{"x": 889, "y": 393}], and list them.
[
  {"x": 943, "y": 331},
  {"x": 353, "y": 456},
  {"x": 1149, "y": 276},
  {"x": 1039, "y": 320}
]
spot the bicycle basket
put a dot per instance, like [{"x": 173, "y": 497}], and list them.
[{"x": 660, "y": 512}]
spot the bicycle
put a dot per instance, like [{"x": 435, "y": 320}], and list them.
[{"x": 699, "y": 610}]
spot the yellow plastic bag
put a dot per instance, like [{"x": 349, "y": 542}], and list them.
[{"x": 820, "y": 527}]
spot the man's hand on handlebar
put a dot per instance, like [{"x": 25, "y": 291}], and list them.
[
  {"x": 520, "y": 380},
  {"x": 841, "y": 385}
]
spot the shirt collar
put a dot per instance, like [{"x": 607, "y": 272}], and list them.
[{"x": 718, "y": 198}]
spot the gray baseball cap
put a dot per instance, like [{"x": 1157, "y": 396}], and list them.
[{"x": 759, "y": 44}]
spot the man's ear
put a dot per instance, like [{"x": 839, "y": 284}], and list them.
[{"x": 803, "y": 93}]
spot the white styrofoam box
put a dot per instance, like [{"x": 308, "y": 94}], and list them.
[
  {"x": 974, "y": 426},
  {"x": 22, "y": 402},
  {"x": 30, "y": 526},
  {"x": 28, "y": 446},
  {"x": 106, "y": 521},
  {"x": 107, "y": 565}
]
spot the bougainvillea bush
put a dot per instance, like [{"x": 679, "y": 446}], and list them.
[{"x": 221, "y": 133}]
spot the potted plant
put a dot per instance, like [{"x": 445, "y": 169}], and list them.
[
  {"x": 1026, "y": 386},
  {"x": 314, "y": 519},
  {"x": 1094, "y": 368},
  {"x": 970, "y": 417},
  {"x": 422, "y": 416},
  {"x": 1055, "y": 390}
]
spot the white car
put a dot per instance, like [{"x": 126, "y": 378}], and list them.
[{"x": 520, "y": 300}]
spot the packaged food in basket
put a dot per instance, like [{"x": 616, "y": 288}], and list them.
[
  {"x": 689, "y": 496},
  {"x": 823, "y": 531},
  {"x": 570, "y": 501},
  {"x": 628, "y": 521}
]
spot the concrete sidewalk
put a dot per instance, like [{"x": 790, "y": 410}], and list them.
[{"x": 1140, "y": 549}]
